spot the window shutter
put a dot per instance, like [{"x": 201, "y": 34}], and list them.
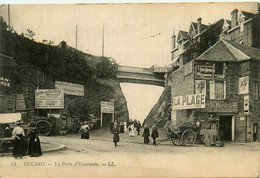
[
  {"x": 225, "y": 89},
  {"x": 212, "y": 90}
]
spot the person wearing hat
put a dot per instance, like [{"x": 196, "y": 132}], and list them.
[
  {"x": 146, "y": 134},
  {"x": 154, "y": 134},
  {"x": 7, "y": 143},
  {"x": 116, "y": 134},
  {"x": 19, "y": 144},
  {"x": 34, "y": 148},
  {"x": 85, "y": 131}
]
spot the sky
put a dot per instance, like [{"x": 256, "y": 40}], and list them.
[{"x": 134, "y": 34}]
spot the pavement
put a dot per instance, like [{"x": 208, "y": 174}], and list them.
[{"x": 46, "y": 148}]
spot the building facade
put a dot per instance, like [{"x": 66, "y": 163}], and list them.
[{"x": 222, "y": 83}]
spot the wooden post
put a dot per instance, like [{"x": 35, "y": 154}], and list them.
[
  {"x": 113, "y": 117},
  {"x": 101, "y": 119}
]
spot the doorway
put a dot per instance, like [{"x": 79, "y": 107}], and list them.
[{"x": 225, "y": 128}]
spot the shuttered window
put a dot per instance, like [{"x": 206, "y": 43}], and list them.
[{"x": 218, "y": 90}]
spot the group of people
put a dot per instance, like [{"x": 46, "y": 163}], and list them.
[
  {"x": 154, "y": 134},
  {"x": 132, "y": 128},
  {"x": 84, "y": 130},
  {"x": 20, "y": 144}
]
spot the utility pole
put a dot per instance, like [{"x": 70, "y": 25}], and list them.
[
  {"x": 76, "y": 37},
  {"x": 8, "y": 10},
  {"x": 103, "y": 42}
]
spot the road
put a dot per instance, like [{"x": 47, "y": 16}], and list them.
[{"x": 98, "y": 157}]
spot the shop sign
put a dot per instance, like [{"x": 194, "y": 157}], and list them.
[
  {"x": 107, "y": 107},
  {"x": 200, "y": 87},
  {"x": 49, "y": 99},
  {"x": 70, "y": 88},
  {"x": 194, "y": 101},
  {"x": 204, "y": 71},
  {"x": 243, "y": 85},
  {"x": 246, "y": 104},
  {"x": 221, "y": 106}
]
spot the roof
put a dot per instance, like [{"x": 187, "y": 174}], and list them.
[
  {"x": 229, "y": 52},
  {"x": 182, "y": 35},
  {"x": 247, "y": 14},
  {"x": 202, "y": 28},
  {"x": 6, "y": 60}
]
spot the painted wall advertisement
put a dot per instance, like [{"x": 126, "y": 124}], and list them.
[
  {"x": 243, "y": 85},
  {"x": 107, "y": 107},
  {"x": 70, "y": 88},
  {"x": 49, "y": 99},
  {"x": 200, "y": 87},
  {"x": 194, "y": 101}
]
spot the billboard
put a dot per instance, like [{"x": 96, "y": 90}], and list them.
[
  {"x": 70, "y": 88},
  {"x": 243, "y": 85},
  {"x": 107, "y": 107},
  {"x": 194, "y": 101},
  {"x": 49, "y": 99}
]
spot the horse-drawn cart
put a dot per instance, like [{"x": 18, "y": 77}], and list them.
[{"x": 185, "y": 135}]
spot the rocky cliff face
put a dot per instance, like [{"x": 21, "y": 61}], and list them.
[{"x": 161, "y": 111}]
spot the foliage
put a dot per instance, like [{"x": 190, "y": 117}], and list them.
[{"x": 59, "y": 64}]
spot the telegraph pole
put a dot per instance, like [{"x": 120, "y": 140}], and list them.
[
  {"x": 8, "y": 10},
  {"x": 76, "y": 37},
  {"x": 103, "y": 41}
]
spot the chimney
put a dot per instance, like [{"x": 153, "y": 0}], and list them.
[
  {"x": 199, "y": 25},
  {"x": 173, "y": 41},
  {"x": 234, "y": 18}
]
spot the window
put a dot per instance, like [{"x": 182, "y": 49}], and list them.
[
  {"x": 217, "y": 90},
  {"x": 256, "y": 90},
  {"x": 219, "y": 68}
]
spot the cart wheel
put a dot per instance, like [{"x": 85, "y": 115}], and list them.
[
  {"x": 188, "y": 137},
  {"x": 177, "y": 142},
  {"x": 43, "y": 127}
]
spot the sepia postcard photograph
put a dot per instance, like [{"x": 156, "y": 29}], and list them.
[{"x": 130, "y": 90}]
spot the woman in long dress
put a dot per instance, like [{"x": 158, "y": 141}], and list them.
[
  {"x": 116, "y": 134},
  {"x": 146, "y": 134},
  {"x": 84, "y": 131},
  {"x": 154, "y": 134},
  {"x": 34, "y": 148},
  {"x": 19, "y": 143},
  {"x": 132, "y": 132}
]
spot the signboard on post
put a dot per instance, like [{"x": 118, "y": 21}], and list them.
[
  {"x": 70, "y": 88},
  {"x": 49, "y": 99},
  {"x": 107, "y": 107},
  {"x": 194, "y": 101}
]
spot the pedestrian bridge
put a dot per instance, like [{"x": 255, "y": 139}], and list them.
[{"x": 150, "y": 76}]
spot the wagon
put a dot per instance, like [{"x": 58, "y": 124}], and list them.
[{"x": 185, "y": 135}]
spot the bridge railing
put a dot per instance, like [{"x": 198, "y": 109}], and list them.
[{"x": 134, "y": 69}]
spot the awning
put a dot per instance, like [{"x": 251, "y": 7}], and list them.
[{"x": 10, "y": 118}]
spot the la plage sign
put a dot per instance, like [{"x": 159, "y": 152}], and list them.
[{"x": 189, "y": 102}]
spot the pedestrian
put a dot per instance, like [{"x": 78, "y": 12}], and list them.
[
  {"x": 146, "y": 134},
  {"x": 125, "y": 126},
  {"x": 115, "y": 134},
  {"x": 111, "y": 126},
  {"x": 84, "y": 131},
  {"x": 122, "y": 129},
  {"x": 154, "y": 134},
  {"x": 34, "y": 148},
  {"x": 132, "y": 131},
  {"x": 138, "y": 127},
  {"x": 19, "y": 143},
  {"x": 7, "y": 143}
]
